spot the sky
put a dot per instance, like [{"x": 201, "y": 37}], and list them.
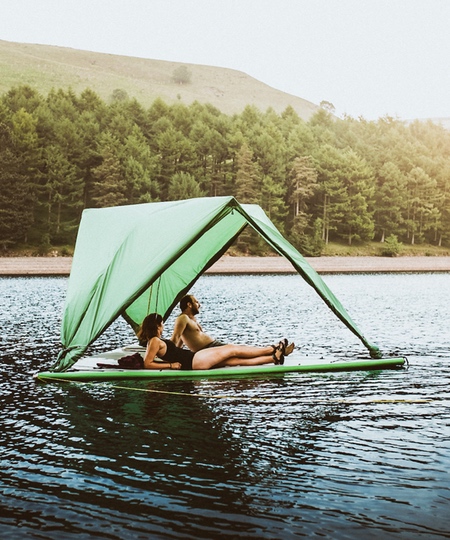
[{"x": 369, "y": 58}]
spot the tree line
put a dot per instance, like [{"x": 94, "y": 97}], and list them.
[{"x": 319, "y": 180}]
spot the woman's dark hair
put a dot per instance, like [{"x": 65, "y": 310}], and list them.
[{"x": 149, "y": 327}]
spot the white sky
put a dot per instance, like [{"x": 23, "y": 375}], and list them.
[{"x": 367, "y": 57}]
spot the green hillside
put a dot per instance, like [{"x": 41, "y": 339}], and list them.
[{"x": 45, "y": 67}]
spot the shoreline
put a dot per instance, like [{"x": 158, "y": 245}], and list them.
[{"x": 60, "y": 266}]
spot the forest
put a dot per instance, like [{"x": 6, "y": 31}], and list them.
[{"x": 321, "y": 180}]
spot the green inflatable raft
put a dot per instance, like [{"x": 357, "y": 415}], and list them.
[{"x": 105, "y": 374}]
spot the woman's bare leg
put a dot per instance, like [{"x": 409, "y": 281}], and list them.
[
  {"x": 257, "y": 361},
  {"x": 232, "y": 355},
  {"x": 248, "y": 351},
  {"x": 208, "y": 358}
]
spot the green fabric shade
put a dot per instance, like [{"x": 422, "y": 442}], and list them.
[{"x": 137, "y": 259}]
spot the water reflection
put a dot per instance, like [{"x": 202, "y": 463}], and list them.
[{"x": 336, "y": 455}]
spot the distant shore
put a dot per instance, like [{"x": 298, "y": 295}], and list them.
[{"x": 60, "y": 266}]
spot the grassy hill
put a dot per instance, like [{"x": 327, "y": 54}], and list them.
[{"x": 45, "y": 67}]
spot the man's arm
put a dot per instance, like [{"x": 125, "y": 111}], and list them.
[{"x": 179, "y": 327}]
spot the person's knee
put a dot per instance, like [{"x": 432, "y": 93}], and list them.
[{"x": 233, "y": 350}]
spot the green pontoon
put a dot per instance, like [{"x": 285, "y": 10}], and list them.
[{"x": 133, "y": 260}]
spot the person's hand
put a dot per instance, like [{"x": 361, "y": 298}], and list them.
[{"x": 175, "y": 365}]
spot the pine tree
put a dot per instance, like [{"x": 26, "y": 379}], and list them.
[
  {"x": 16, "y": 210},
  {"x": 108, "y": 188},
  {"x": 247, "y": 176},
  {"x": 303, "y": 183},
  {"x": 63, "y": 190},
  {"x": 421, "y": 209},
  {"x": 272, "y": 201},
  {"x": 390, "y": 197},
  {"x": 331, "y": 189},
  {"x": 184, "y": 186},
  {"x": 359, "y": 187}
]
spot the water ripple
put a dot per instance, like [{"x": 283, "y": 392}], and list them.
[{"x": 337, "y": 455}]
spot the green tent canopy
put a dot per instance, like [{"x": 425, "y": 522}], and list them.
[{"x": 133, "y": 260}]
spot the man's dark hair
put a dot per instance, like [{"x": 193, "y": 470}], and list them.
[{"x": 185, "y": 301}]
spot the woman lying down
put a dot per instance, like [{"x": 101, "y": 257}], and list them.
[{"x": 174, "y": 357}]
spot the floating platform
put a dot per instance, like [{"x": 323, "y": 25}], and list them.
[{"x": 86, "y": 369}]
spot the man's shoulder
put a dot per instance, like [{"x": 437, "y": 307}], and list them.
[
  {"x": 182, "y": 318},
  {"x": 188, "y": 322}
]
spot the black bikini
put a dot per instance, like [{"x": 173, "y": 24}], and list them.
[{"x": 176, "y": 354}]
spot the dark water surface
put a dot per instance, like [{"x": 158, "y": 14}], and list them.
[{"x": 344, "y": 455}]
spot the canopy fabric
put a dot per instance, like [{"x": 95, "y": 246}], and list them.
[{"x": 137, "y": 259}]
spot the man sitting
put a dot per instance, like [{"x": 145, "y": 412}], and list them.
[{"x": 188, "y": 331}]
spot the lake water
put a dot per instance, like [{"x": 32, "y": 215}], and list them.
[{"x": 340, "y": 456}]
